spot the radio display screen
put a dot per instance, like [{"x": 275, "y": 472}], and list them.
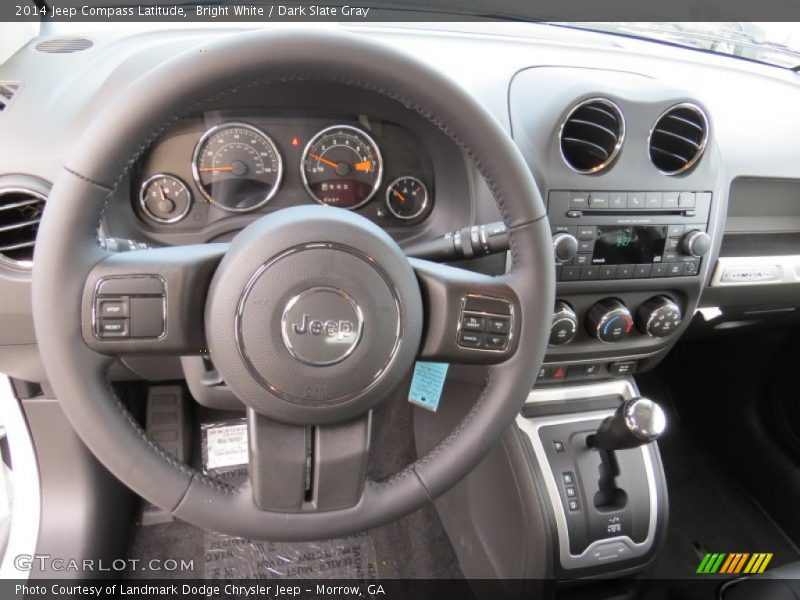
[{"x": 624, "y": 245}]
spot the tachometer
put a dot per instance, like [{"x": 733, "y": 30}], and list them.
[
  {"x": 237, "y": 167},
  {"x": 342, "y": 167}
]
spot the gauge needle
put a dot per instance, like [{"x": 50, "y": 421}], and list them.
[
  {"x": 399, "y": 195},
  {"x": 161, "y": 193},
  {"x": 322, "y": 159},
  {"x": 365, "y": 165},
  {"x": 228, "y": 169}
]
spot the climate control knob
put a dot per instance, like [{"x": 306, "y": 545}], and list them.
[
  {"x": 565, "y": 324},
  {"x": 565, "y": 246},
  {"x": 696, "y": 243},
  {"x": 658, "y": 317},
  {"x": 609, "y": 320}
]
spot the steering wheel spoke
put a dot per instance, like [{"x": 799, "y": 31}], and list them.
[
  {"x": 469, "y": 317},
  {"x": 149, "y": 301},
  {"x": 295, "y": 468}
]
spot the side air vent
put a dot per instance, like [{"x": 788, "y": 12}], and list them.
[
  {"x": 592, "y": 135},
  {"x": 8, "y": 90},
  {"x": 678, "y": 139},
  {"x": 20, "y": 214},
  {"x": 64, "y": 45}
]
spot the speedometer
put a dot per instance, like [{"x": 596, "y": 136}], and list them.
[
  {"x": 342, "y": 167},
  {"x": 237, "y": 167}
]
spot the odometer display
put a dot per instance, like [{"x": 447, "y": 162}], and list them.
[
  {"x": 237, "y": 167},
  {"x": 342, "y": 166}
]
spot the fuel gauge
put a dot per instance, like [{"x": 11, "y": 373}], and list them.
[
  {"x": 407, "y": 197},
  {"x": 165, "y": 198}
]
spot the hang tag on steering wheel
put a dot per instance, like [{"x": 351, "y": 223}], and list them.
[{"x": 427, "y": 384}]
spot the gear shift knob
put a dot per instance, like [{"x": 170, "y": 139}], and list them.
[{"x": 636, "y": 422}]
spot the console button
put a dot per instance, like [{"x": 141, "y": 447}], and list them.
[
  {"x": 582, "y": 259},
  {"x": 686, "y": 200},
  {"x": 672, "y": 244},
  {"x": 558, "y": 445},
  {"x": 583, "y": 370},
  {"x": 559, "y": 372},
  {"x": 670, "y": 256},
  {"x": 574, "y": 214},
  {"x": 598, "y": 200},
  {"x": 498, "y": 325},
  {"x": 625, "y": 367},
  {"x": 586, "y": 246},
  {"x": 588, "y": 232},
  {"x": 670, "y": 200},
  {"x": 636, "y": 200},
  {"x": 617, "y": 200},
  {"x": 625, "y": 271},
  {"x": 544, "y": 373},
  {"x": 641, "y": 271},
  {"x": 571, "y": 491},
  {"x": 579, "y": 201},
  {"x": 113, "y": 328},
  {"x": 571, "y": 273},
  {"x": 570, "y": 229},
  {"x": 659, "y": 270},
  {"x": 469, "y": 339},
  {"x": 590, "y": 272},
  {"x": 674, "y": 269},
  {"x": 472, "y": 322},
  {"x": 674, "y": 231},
  {"x": 653, "y": 199},
  {"x": 608, "y": 272},
  {"x": 113, "y": 308},
  {"x": 495, "y": 341},
  {"x": 568, "y": 478},
  {"x": 573, "y": 505}
]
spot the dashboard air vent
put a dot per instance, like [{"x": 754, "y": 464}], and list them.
[
  {"x": 7, "y": 92},
  {"x": 64, "y": 45},
  {"x": 678, "y": 139},
  {"x": 592, "y": 135},
  {"x": 20, "y": 214}
]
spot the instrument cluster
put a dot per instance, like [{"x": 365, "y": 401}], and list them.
[{"x": 208, "y": 169}]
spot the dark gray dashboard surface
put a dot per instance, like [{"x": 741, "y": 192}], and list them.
[{"x": 751, "y": 107}]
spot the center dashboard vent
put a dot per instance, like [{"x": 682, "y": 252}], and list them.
[
  {"x": 8, "y": 90},
  {"x": 64, "y": 45},
  {"x": 678, "y": 139},
  {"x": 592, "y": 135},
  {"x": 20, "y": 213}
]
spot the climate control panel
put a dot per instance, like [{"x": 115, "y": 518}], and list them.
[{"x": 609, "y": 320}]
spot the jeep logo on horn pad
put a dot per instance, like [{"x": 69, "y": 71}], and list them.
[{"x": 321, "y": 326}]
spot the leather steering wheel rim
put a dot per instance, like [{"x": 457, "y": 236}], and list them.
[{"x": 67, "y": 251}]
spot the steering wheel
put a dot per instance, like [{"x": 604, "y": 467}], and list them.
[{"x": 311, "y": 314}]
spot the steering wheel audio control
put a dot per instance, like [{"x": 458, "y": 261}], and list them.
[
  {"x": 564, "y": 326},
  {"x": 658, "y": 317},
  {"x": 485, "y": 323},
  {"x": 609, "y": 320}
]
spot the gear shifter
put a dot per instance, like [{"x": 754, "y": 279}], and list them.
[{"x": 636, "y": 422}]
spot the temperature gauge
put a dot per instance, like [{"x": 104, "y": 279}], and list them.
[
  {"x": 165, "y": 198},
  {"x": 407, "y": 197}
]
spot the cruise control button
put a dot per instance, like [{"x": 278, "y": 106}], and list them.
[
  {"x": 472, "y": 322},
  {"x": 495, "y": 341},
  {"x": 498, "y": 325},
  {"x": 469, "y": 339},
  {"x": 113, "y": 328}
]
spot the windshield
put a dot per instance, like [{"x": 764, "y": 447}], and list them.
[{"x": 772, "y": 43}]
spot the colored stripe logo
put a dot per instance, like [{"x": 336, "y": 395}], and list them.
[{"x": 734, "y": 563}]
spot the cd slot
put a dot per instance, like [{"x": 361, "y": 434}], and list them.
[{"x": 637, "y": 213}]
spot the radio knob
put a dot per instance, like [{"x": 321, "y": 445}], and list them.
[
  {"x": 565, "y": 246},
  {"x": 658, "y": 317},
  {"x": 609, "y": 320},
  {"x": 565, "y": 324},
  {"x": 696, "y": 243}
]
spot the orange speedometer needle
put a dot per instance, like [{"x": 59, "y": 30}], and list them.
[
  {"x": 322, "y": 159},
  {"x": 228, "y": 169},
  {"x": 399, "y": 195},
  {"x": 365, "y": 165}
]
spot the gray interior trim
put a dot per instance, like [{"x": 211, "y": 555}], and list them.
[
  {"x": 531, "y": 428},
  {"x": 756, "y": 270},
  {"x": 26, "y": 510}
]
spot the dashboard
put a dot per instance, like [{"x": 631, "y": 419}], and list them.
[{"x": 667, "y": 192}]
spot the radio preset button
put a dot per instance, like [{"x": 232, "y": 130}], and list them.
[
  {"x": 625, "y": 271},
  {"x": 608, "y": 272},
  {"x": 590, "y": 272},
  {"x": 641, "y": 271},
  {"x": 659, "y": 270},
  {"x": 570, "y": 273}
]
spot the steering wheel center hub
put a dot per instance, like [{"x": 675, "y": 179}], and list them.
[{"x": 303, "y": 328}]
